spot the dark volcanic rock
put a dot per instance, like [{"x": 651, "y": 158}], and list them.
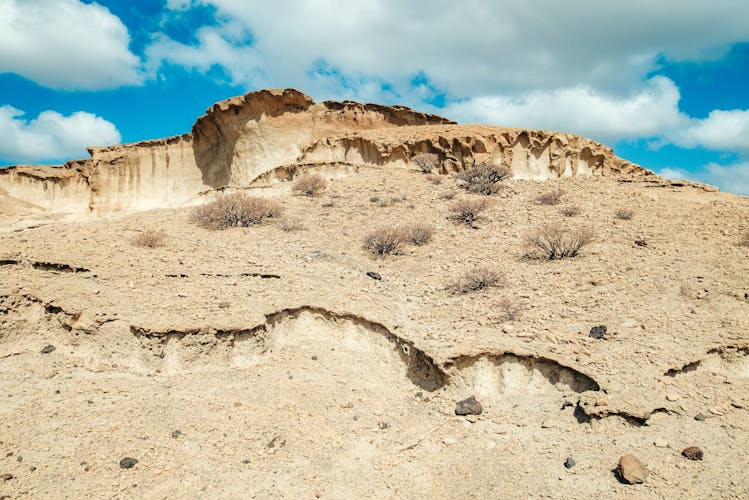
[{"x": 468, "y": 406}]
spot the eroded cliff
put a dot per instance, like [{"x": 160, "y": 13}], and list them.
[{"x": 242, "y": 139}]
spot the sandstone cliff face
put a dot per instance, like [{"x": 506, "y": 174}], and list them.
[{"x": 246, "y": 138}]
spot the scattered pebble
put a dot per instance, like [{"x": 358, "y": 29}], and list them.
[
  {"x": 383, "y": 425},
  {"x": 6, "y": 477},
  {"x": 128, "y": 463},
  {"x": 246, "y": 461},
  {"x": 660, "y": 443},
  {"x": 449, "y": 440},
  {"x": 569, "y": 463},
  {"x": 699, "y": 417},
  {"x": 468, "y": 406},
  {"x": 374, "y": 275},
  {"x": 48, "y": 349},
  {"x": 631, "y": 470},
  {"x": 176, "y": 434},
  {"x": 693, "y": 453},
  {"x": 277, "y": 441},
  {"x": 598, "y": 332}
]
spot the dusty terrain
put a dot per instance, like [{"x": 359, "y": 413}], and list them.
[{"x": 265, "y": 362}]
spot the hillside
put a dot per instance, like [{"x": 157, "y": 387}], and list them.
[{"x": 285, "y": 359}]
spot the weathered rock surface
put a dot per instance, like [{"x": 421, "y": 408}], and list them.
[
  {"x": 631, "y": 470},
  {"x": 267, "y": 135}
]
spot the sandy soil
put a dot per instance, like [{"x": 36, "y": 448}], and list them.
[{"x": 259, "y": 362}]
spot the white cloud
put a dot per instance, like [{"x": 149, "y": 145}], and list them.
[
  {"x": 721, "y": 131},
  {"x": 582, "y": 110},
  {"x": 51, "y": 136},
  {"x": 732, "y": 178},
  {"x": 215, "y": 47},
  {"x": 66, "y": 44},
  {"x": 484, "y": 47}
]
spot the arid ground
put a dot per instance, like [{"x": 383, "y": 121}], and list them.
[{"x": 265, "y": 362}]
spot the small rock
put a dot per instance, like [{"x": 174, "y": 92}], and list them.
[
  {"x": 569, "y": 463},
  {"x": 548, "y": 424},
  {"x": 128, "y": 463},
  {"x": 314, "y": 358},
  {"x": 383, "y": 425},
  {"x": 472, "y": 418},
  {"x": 449, "y": 440},
  {"x": 246, "y": 461},
  {"x": 176, "y": 434},
  {"x": 224, "y": 305},
  {"x": 672, "y": 397},
  {"x": 631, "y": 470},
  {"x": 468, "y": 406},
  {"x": 641, "y": 243},
  {"x": 6, "y": 477},
  {"x": 19, "y": 458},
  {"x": 277, "y": 441},
  {"x": 693, "y": 453},
  {"x": 699, "y": 417},
  {"x": 601, "y": 402},
  {"x": 182, "y": 294},
  {"x": 598, "y": 332},
  {"x": 566, "y": 404},
  {"x": 374, "y": 275},
  {"x": 660, "y": 443},
  {"x": 48, "y": 349}
]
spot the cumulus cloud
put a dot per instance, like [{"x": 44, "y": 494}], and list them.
[
  {"x": 480, "y": 47},
  {"x": 66, "y": 44},
  {"x": 51, "y": 136},
  {"x": 216, "y": 47},
  {"x": 732, "y": 178},
  {"x": 720, "y": 131},
  {"x": 582, "y": 110}
]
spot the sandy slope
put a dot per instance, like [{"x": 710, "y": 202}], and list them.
[{"x": 289, "y": 372}]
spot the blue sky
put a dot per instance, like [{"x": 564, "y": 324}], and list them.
[{"x": 665, "y": 85}]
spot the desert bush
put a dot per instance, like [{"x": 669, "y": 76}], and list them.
[
  {"x": 290, "y": 224},
  {"x": 310, "y": 185},
  {"x": 385, "y": 241},
  {"x": 150, "y": 238},
  {"x": 555, "y": 242},
  {"x": 744, "y": 242},
  {"x": 484, "y": 178},
  {"x": 550, "y": 197},
  {"x": 235, "y": 210},
  {"x": 624, "y": 213},
  {"x": 478, "y": 278},
  {"x": 509, "y": 309},
  {"x": 426, "y": 161},
  {"x": 419, "y": 233},
  {"x": 467, "y": 211},
  {"x": 570, "y": 210}
]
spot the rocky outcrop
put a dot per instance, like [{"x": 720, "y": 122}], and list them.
[
  {"x": 248, "y": 138},
  {"x": 530, "y": 154}
]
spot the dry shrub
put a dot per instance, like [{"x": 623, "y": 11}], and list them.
[
  {"x": 555, "y": 242},
  {"x": 478, "y": 278},
  {"x": 484, "y": 178},
  {"x": 310, "y": 185},
  {"x": 419, "y": 233},
  {"x": 290, "y": 224},
  {"x": 385, "y": 241},
  {"x": 550, "y": 198},
  {"x": 150, "y": 238},
  {"x": 744, "y": 242},
  {"x": 570, "y": 210},
  {"x": 624, "y": 213},
  {"x": 235, "y": 210},
  {"x": 426, "y": 161},
  {"x": 467, "y": 211},
  {"x": 509, "y": 309}
]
